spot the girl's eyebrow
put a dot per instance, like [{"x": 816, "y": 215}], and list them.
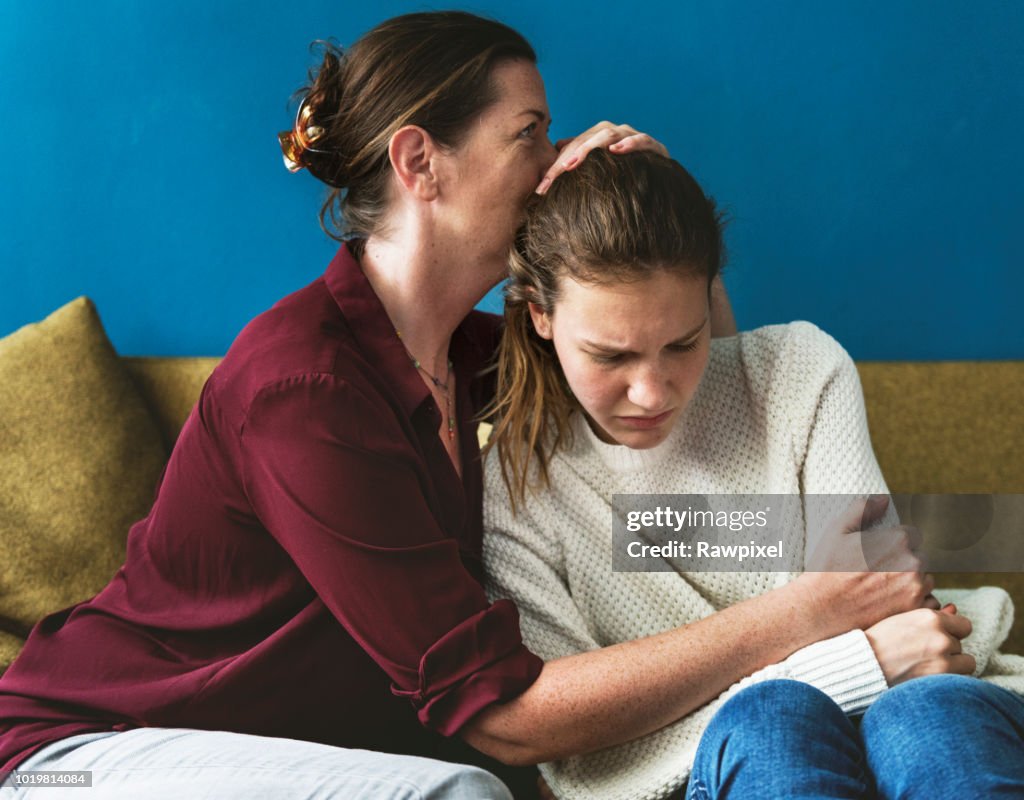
[{"x": 610, "y": 348}]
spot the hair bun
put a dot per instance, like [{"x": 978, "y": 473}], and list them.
[{"x": 326, "y": 161}]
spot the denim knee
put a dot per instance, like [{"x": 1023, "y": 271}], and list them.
[
  {"x": 932, "y": 700},
  {"x": 936, "y": 705},
  {"x": 788, "y": 707},
  {"x": 764, "y": 702},
  {"x": 779, "y": 738},
  {"x": 946, "y": 736},
  {"x": 954, "y": 686}
]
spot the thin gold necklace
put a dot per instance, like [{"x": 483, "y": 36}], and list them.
[{"x": 440, "y": 384}]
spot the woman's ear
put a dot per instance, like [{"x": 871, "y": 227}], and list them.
[
  {"x": 412, "y": 151},
  {"x": 541, "y": 321}
]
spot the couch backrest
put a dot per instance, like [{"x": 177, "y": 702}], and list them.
[{"x": 954, "y": 426}]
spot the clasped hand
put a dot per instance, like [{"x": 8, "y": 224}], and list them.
[{"x": 874, "y": 578}]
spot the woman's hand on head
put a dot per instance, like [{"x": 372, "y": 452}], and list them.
[
  {"x": 616, "y": 138},
  {"x": 921, "y": 642}
]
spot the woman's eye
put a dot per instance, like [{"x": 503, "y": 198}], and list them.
[{"x": 527, "y": 132}]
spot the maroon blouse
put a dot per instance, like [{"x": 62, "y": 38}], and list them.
[{"x": 310, "y": 567}]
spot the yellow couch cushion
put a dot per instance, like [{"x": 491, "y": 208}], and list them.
[
  {"x": 955, "y": 426},
  {"x": 170, "y": 387},
  {"x": 79, "y": 463},
  {"x": 10, "y": 645}
]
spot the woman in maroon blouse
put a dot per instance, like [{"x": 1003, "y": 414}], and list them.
[{"x": 309, "y": 572}]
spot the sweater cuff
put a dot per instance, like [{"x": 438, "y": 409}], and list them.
[{"x": 843, "y": 667}]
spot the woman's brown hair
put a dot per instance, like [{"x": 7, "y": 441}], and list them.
[
  {"x": 614, "y": 218},
  {"x": 431, "y": 69}
]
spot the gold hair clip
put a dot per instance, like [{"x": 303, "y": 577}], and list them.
[{"x": 297, "y": 141}]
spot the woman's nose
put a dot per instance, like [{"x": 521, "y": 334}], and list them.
[{"x": 549, "y": 154}]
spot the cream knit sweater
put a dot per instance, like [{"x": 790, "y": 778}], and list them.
[{"x": 779, "y": 411}]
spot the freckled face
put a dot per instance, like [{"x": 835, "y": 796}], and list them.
[
  {"x": 633, "y": 353},
  {"x": 499, "y": 164}
]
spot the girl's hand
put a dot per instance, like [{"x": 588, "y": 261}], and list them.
[
  {"x": 921, "y": 642},
  {"x": 616, "y": 138},
  {"x": 855, "y": 582}
]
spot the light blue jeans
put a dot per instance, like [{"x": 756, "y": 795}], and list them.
[
  {"x": 941, "y": 736},
  {"x": 175, "y": 763}
]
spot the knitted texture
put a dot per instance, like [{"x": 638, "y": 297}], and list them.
[{"x": 779, "y": 411}]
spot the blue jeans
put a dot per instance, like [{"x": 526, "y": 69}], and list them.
[
  {"x": 941, "y": 736},
  {"x": 175, "y": 763}
]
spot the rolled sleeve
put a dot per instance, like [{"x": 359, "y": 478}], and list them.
[
  {"x": 335, "y": 477},
  {"x": 470, "y": 667}
]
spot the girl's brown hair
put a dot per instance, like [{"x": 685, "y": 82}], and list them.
[
  {"x": 431, "y": 69},
  {"x": 614, "y": 218}
]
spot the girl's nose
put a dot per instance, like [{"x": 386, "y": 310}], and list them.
[{"x": 648, "y": 390}]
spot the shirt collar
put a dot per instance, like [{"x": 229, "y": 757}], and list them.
[{"x": 376, "y": 337}]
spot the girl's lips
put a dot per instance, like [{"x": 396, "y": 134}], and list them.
[{"x": 644, "y": 423}]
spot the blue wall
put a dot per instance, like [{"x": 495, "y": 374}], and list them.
[{"x": 869, "y": 152}]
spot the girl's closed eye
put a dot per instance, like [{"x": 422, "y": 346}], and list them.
[
  {"x": 607, "y": 359},
  {"x": 689, "y": 347}
]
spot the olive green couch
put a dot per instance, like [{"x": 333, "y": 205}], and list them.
[{"x": 84, "y": 434}]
